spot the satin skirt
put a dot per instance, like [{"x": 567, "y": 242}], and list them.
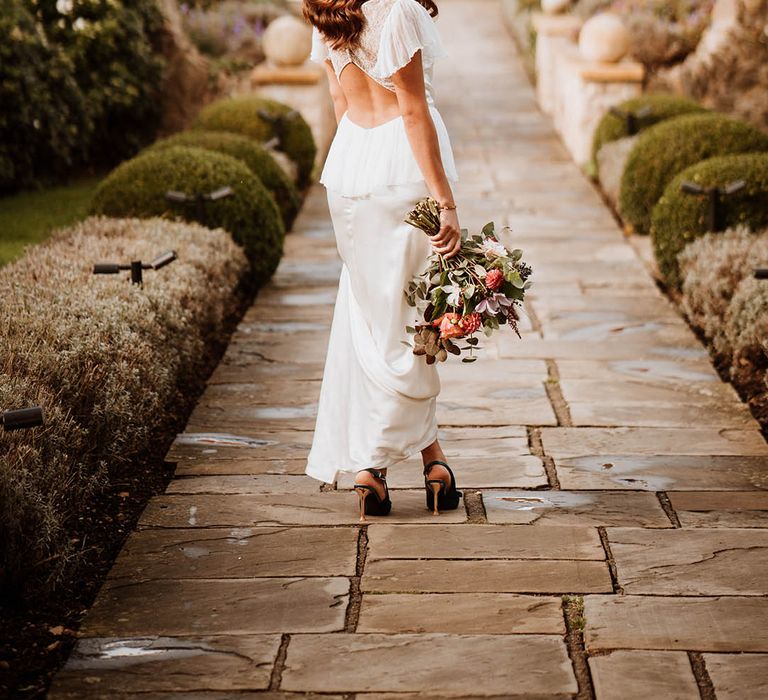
[{"x": 377, "y": 399}]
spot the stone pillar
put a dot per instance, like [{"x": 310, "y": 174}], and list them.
[
  {"x": 551, "y": 31},
  {"x": 583, "y": 93}
]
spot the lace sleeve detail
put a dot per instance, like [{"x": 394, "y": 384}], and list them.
[
  {"x": 408, "y": 28},
  {"x": 319, "y": 51}
]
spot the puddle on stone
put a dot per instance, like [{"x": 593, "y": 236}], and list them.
[
  {"x": 307, "y": 299},
  {"x": 195, "y": 552},
  {"x": 225, "y": 439},
  {"x": 283, "y": 327},
  {"x": 285, "y": 412},
  {"x": 521, "y": 501},
  {"x": 111, "y": 653}
]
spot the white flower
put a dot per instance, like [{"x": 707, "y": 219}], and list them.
[
  {"x": 79, "y": 24},
  {"x": 64, "y": 7},
  {"x": 493, "y": 249}
]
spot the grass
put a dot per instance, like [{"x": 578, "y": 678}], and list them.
[{"x": 29, "y": 217}]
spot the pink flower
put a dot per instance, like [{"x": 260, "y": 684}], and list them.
[
  {"x": 470, "y": 323},
  {"x": 450, "y": 325},
  {"x": 494, "y": 279}
]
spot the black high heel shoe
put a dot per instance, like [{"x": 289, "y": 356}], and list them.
[
  {"x": 376, "y": 505},
  {"x": 439, "y": 496}
]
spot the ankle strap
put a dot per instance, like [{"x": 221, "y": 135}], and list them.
[
  {"x": 378, "y": 474},
  {"x": 429, "y": 466}
]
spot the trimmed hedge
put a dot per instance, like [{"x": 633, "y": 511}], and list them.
[
  {"x": 257, "y": 158},
  {"x": 662, "y": 107},
  {"x": 665, "y": 149},
  {"x": 245, "y": 115},
  {"x": 138, "y": 187},
  {"x": 110, "y": 363},
  {"x": 711, "y": 268},
  {"x": 680, "y": 218}
]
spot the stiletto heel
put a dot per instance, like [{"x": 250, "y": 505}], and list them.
[
  {"x": 436, "y": 487},
  {"x": 362, "y": 495},
  {"x": 376, "y": 505},
  {"x": 439, "y": 495}
]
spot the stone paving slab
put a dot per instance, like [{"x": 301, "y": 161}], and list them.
[
  {"x": 690, "y": 562},
  {"x": 483, "y": 542},
  {"x": 576, "y": 442},
  {"x": 244, "y": 484},
  {"x": 497, "y": 664},
  {"x": 644, "y": 675},
  {"x": 666, "y": 622},
  {"x": 209, "y": 607},
  {"x": 113, "y": 665},
  {"x": 208, "y": 465},
  {"x": 259, "y": 444},
  {"x": 593, "y": 508},
  {"x": 485, "y": 576},
  {"x": 738, "y": 676},
  {"x": 238, "y": 553},
  {"x": 657, "y": 372},
  {"x": 95, "y": 694},
  {"x": 721, "y": 508},
  {"x": 611, "y": 349},
  {"x": 661, "y": 473},
  {"x": 328, "y": 508},
  {"x": 262, "y": 390},
  {"x": 461, "y": 613},
  {"x": 516, "y": 471}
]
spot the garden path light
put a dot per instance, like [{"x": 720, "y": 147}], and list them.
[
  {"x": 761, "y": 273},
  {"x": 715, "y": 197},
  {"x": 136, "y": 266},
  {"x": 199, "y": 200},
  {"x": 22, "y": 418},
  {"x": 630, "y": 118}
]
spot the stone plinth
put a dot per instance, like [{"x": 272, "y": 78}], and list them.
[
  {"x": 551, "y": 30},
  {"x": 576, "y": 92}
]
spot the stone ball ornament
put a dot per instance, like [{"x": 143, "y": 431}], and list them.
[
  {"x": 604, "y": 38},
  {"x": 287, "y": 41}
]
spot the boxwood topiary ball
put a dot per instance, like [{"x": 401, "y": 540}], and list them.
[
  {"x": 257, "y": 158},
  {"x": 679, "y": 218},
  {"x": 657, "y": 108},
  {"x": 137, "y": 188},
  {"x": 666, "y": 149},
  {"x": 263, "y": 119}
]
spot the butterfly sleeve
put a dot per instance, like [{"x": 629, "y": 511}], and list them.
[
  {"x": 407, "y": 29},
  {"x": 319, "y": 51}
]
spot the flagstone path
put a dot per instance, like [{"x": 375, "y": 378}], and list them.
[{"x": 615, "y": 539}]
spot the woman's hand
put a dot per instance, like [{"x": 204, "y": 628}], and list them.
[{"x": 447, "y": 241}]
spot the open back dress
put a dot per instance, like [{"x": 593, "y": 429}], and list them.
[{"x": 377, "y": 399}]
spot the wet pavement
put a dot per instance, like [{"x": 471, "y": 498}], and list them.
[{"x": 614, "y": 542}]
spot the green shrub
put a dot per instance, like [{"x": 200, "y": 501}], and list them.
[
  {"x": 110, "y": 363},
  {"x": 665, "y": 149},
  {"x": 680, "y": 218},
  {"x": 257, "y": 158},
  {"x": 746, "y": 334},
  {"x": 662, "y": 107},
  {"x": 246, "y": 115},
  {"x": 113, "y": 46},
  {"x": 711, "y": 268},
  {"x": 138, "y": 187},
  {"x": 44, "y": 121}
]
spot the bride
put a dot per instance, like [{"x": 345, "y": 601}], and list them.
[{"x": 391, "y": 149}]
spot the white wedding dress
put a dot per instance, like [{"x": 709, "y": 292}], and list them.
[{"x": 377, "y": 399}]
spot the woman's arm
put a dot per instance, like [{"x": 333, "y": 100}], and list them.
[
  {"x": 422, "y": 135},
  {"x": 337, "y": 94}
]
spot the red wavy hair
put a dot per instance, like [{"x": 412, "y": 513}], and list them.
[{"x": 341, "y": 21}]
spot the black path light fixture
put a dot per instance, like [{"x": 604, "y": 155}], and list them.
[
  {"x": 279, "y": 123},
  {"x": 631, "y": 118},
  {"x": 715, "y": 196},
  {"x": 761, "y": 273},
  {"x": 136, "y": 266},
  {"x": 199, "y": 201},
  {"x": 21, "y": 418}
]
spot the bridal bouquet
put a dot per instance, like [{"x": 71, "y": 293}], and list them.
[{"x": 479, "y": 287}]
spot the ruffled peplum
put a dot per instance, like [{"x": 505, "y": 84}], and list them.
[{"x": 365, "y": 160}]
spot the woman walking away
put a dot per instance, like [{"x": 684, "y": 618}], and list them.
[{"x": 391, "y": 150}]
